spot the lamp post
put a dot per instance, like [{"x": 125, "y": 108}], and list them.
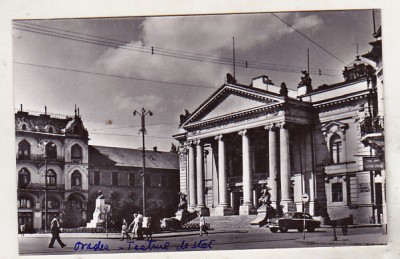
[
  {"x": 45, "y": 190},
  {"x": 143, "y": 114}
]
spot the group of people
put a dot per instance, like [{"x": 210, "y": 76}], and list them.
[{"x": 136, "y": 228}]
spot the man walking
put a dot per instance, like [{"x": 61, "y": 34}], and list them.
[{"x": 55, "y": 233}]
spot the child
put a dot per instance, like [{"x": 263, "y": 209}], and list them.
[{"x": 124, "y": 231}]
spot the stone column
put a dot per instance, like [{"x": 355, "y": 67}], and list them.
[
  {"x": 247, "y": 207},
  {"x": 200, "y": 174},
  {"x": 222, "y": 208},
  {"x": 192, "y": 177},
  {"x": 273, "y": 164},
  {"x": 285, "y": 167}
]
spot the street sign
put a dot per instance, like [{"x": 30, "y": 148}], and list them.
[
  {"x": 305, "y": 197},
  {"x": 373, "y": 163}
]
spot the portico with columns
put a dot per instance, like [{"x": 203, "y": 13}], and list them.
[{"x": 236, "y": 141}]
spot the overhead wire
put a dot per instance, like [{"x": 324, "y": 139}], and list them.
[
  {"x": 160, "y": 51},
  {"x": 308, "y": 38}
]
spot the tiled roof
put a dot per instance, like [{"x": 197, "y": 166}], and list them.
[{"x": 115, "y": 156}]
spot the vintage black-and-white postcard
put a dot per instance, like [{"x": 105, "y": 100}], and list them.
[{"x": 204, "y": 132}]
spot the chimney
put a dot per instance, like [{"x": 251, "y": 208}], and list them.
[
  {"x": 45, "y": 110},
  {"x": 155, "y": 148},
  {"x": 21, "y": 107}
]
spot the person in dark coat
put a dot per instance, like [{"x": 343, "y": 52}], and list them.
[{"x": 55, "y": 233}]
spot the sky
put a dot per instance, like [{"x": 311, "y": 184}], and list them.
[{"x": 110, "y": 67}]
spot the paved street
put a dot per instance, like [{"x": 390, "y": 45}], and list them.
[{"x": 248, "y": 238}]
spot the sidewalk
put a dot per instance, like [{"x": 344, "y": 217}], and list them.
[{"x": 349, "y": 240}]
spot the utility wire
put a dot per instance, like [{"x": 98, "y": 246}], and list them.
[
  {"x": 110, "y": 75},
  {"x": 305, "y": 36},
  {"x": 135, "y": 126},
  {"x": 130, "y": 135},
  {"x": 160, "y": 51}
]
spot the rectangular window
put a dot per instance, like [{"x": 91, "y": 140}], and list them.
[
  {"x": 337, "y": 192},
  {"x": 164, "y": 181},
  {"x": 131, "y": 179},
  {"x": 96, "y": 178},
  {"x": 155, "y": 180},
  {"x": 148, "y": 180},
  {"x": 138, "y": 180},
  {"x": 114, "y": 179}
]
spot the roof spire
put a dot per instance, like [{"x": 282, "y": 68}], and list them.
[{"x": 75, "y": 110}]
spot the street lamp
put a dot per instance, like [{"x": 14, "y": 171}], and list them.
[
  {"x": 143, "y": 114},
  {"x": 45, "y": 156}
]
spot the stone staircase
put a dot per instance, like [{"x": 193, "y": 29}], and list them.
[{"x": 228, "y": 222}]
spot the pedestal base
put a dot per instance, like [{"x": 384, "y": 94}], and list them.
[
  {"x": 263, "y": 214},
  {"x": 247, "y": 210},
  {"x": 223, "y": 211}
]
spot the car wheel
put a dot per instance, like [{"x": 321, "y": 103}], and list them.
[
  {"x": 310, "y": 229},
  {"x": 273, "y": 230},
  {"x": 300, "y": 229},
  {"x": 283, "y": 229}
]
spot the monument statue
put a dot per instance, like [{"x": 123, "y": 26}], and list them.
[
  {"x": 183, "y": 201},
  {"x": 265, "y": 198}
]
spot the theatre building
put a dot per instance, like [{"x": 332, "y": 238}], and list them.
[
  {"x": 309, "y": 140},
  {"x": 52, "y": 168}
]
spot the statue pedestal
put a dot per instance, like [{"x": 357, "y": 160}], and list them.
[
  {"x": 185, "y": 216},
  {"x": 263, "y": 214},
  {"x": 99, "y": 215}
]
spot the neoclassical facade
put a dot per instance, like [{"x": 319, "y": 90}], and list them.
[
  {"x": 60, "y": 146},
  {"x": 308, "y": 140}
]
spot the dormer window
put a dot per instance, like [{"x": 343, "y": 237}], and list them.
[
  {"x": 76, "y": 129},
  {"x": 50, "y": 130},
  {"x": 23, "y": 126}
]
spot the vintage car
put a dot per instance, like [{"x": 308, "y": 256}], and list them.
[{"x": 293, "y": 220}]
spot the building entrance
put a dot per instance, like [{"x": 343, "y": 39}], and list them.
[
  {"x": 26, "y": 218},
  {"x": 237, "y": 200}
]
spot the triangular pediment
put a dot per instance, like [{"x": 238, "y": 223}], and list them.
[
  {"x": 231, "y": 100},
  {"x": 335, "y": 124}
]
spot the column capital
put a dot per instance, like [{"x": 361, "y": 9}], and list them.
[
  {"x": 198, "y": 142},
  {"x": 219, "y": 137},
  {"x": 189, "y": 143},
  {"x": 243, "y": 132},
  {"x": 270, "y": 126},
  {"x": 282, "y": 125}
]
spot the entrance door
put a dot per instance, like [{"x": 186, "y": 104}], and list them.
[
  {"x": 26, "y": 218},
  {"x": 237, "y": 201}
]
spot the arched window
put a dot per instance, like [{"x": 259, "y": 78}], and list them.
[
  {"x": 25, "y": 202},
  {"x": 76, "y": 178},
  {"x": 76, "y": 129},
  {"x": 24, "y": 178},
  {"x": 23, "y": 126},
  {"x": 51, "y": 178},
  {"x": 24, "y": 150},
  {"x": 51, "y": 150},
  {"x": 76, "y": 152},
  {"x": 335, "y": 148},
  {"x": 52, "y": 203},
  {"x": 75, "y": 202},
  {"x": 50, "y": 130}
]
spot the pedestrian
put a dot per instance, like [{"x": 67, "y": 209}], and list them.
[
  {"x": 133, "y": 226},
  {"x": 203, "y": 227},
  {"x": 139, "y": 226},
  {"x": 125, "y": 230},
  {"x": 55, "y": 233},
  {"x": 22, "y": 229}
]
